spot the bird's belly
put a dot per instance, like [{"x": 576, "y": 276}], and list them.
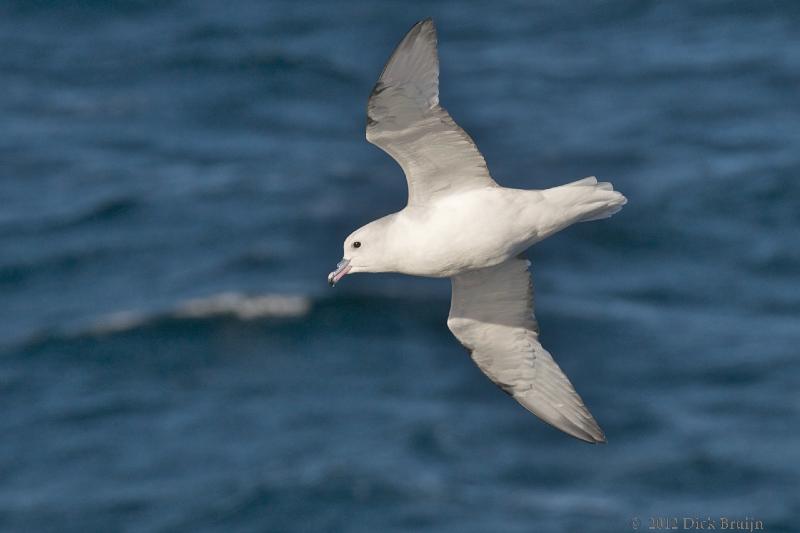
[{"x": 475, "y": 233}]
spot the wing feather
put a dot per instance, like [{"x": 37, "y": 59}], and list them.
[
  {"x": 491, "y": 314},
  {"x": 405, "y": 120}
]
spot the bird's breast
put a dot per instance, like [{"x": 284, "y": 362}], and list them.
[{"x": 462, "y": 233}]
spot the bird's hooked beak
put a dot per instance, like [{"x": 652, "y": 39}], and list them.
[{"x": 341, "y": 270}]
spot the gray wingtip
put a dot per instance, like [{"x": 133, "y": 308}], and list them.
[
  {"x": 585, "y": 429},
  {"x": 425, "y": 25},
  {"x": 591, "y": 434},
  {"x": 598, "y": 439}
]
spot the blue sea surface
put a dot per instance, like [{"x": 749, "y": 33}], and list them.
[{"x": 176, "y": 181}]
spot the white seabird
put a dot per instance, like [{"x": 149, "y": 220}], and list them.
[{"x": 459, "y": 223}]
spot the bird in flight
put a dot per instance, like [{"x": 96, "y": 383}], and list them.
[{"x": 459, "y": 223}]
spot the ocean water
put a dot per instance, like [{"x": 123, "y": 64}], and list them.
[{"x": 176, "y": 179}]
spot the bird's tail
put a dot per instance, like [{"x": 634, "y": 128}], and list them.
[{"x": 589, "y": 199}]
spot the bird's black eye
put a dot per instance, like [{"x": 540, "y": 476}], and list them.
[{"x": 357, "y": 244}]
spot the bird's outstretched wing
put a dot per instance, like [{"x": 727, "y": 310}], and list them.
[
  {"x": 491, "y": 314},
  {"x": 405, "y": 120}
]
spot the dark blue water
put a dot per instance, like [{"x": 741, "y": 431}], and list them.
[{"x": 176, "y": 179}]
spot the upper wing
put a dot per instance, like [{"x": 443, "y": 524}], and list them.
[
  {"x": 405, "y": 120},
  {"x": 491, "y": 314}
]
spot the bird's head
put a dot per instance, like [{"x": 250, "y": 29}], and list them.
[{"x": 365, "y": 250}]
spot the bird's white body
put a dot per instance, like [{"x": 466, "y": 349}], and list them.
[
  {"x": 459, "y": 223},
  {"x": 484, "y": 227}
]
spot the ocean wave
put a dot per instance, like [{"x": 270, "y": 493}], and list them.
[
  {"x": 237, "y": 309},
  {"x": 266, "y": 60},
  {"x": 245, "y": 307},
  {"x": 102, "y": 211},
  {"x": 227, "y": 304}
]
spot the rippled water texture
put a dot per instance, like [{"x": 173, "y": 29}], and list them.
[{"x": 176, "y": 179}]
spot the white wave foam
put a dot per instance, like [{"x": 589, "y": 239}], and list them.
[
  {"x": 119, "y": 321},
  {"x": 245, "y": 307},
  {"x": 241, "y": 306}
]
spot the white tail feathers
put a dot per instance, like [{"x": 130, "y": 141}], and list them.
[{"x": 593, "y": 200}]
